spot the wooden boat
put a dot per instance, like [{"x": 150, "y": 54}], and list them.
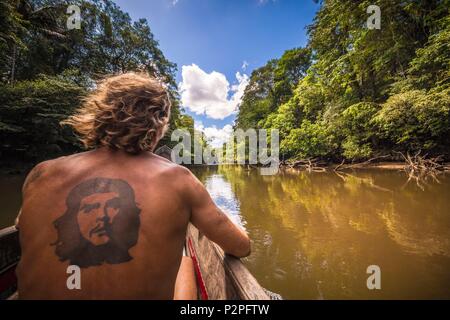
[
  {"x": 219, "y": 276},
  {"x": 9, "y": 257}
]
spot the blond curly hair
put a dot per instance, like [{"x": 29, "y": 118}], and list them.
[{"x": 129, "y": 112}]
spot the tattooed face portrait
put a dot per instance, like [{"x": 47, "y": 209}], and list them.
[
  {"x": 96, "y": 215},
  {"x": 100, "y": 225}
]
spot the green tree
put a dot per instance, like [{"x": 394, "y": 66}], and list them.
[
  {"x": 257, "y": 100},
  {"x": 47, "y": 69},
  {"x": 290, "y": 68},
  {"x": 363, "y": 92},
  {"x": 415, "y": 120},
  {"x": 358, "y": 130},
  {"x": 308, "y": 141},
  {"x": 30, "y": 112}
]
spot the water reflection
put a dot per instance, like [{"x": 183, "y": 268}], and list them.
[
  {"x": 314, "y": 235},
  {"x": 224, "y": 197},
  {"x": 10, "y": 198}
]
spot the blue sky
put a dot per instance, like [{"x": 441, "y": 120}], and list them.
[{"x": 211, "y": 40}]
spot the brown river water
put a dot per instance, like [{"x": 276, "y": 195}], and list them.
[{"x": 315, "y": 234}]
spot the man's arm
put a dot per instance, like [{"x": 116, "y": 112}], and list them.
[{"x": 214, "y": 223}]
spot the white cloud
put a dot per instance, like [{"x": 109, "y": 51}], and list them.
[
  {"x": 174, "y": 2},
  {"x": 198, "y": 125},
  {"x": 244, "y": 65},
  {"x": 208, "y": 93},
  {"x": 217, "y": 137}
]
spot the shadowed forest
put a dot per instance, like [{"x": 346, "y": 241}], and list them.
[{"x": 46, "y": 70}]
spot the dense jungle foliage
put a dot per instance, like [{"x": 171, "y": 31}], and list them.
[
  {"x": 46, "y": 70},
  {"x": 354, "y": 93}
]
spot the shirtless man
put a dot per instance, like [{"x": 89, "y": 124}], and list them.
[{"x": 118, "y": 212}]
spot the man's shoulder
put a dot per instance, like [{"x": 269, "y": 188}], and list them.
[
  {"x": 51, "y": 165},
  {"x": 47, "y": 169},
  {"x": 38, "y": 172},
  {"x": 168, "y": 165},
  {"x": 176, "y": 171},
  {"x": 172, "y": 172}
]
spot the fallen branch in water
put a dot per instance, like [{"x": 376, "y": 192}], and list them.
[
  {"x": 339, "y": 165},
  {"x": 362, "y": 180},
  {"x": 420, "y": 168},
  {"x": 343, "y": 166},
  {"x": 310, "y": 165}
]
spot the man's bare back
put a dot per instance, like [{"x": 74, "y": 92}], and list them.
[{"x": 121, "y": 218}]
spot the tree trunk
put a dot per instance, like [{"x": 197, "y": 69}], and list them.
[{"x": 13, "y": 66}]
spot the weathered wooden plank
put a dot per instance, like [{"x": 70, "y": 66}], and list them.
[
  {"x": 9, "y": 257},
  {"x": 14, "y": 296},
  {"x": 225, "y": 276},
  {"x": 9, "y": 248},
  {"x": 246, "y": 286}
]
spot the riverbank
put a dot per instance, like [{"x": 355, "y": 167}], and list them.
[
  {"x": 19, "y": 168},
  {"x": 397, "y": 165},
  {"x": 387, "y": 165}
]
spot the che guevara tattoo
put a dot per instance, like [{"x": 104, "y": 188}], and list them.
[{"x": 100, "y": 225}]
